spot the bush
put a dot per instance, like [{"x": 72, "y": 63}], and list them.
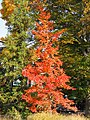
[{"x": 14, "y": 114}]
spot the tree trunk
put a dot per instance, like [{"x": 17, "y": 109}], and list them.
[{"x": 87, "y": 106}]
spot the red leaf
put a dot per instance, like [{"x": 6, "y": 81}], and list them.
[{"x": 47, "y": 74}]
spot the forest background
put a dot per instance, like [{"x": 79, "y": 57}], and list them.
[{"x": 74, "y": 49}]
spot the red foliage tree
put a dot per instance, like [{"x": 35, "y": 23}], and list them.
[{"x": 46, "y": 73}]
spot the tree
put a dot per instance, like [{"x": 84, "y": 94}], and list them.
[
  {"x": 15, "y": 55},
  {"x": 84, "y": 34},
  {"x": 8, "y": 8},
  {"x": 46, "y": 73},
  {"x": 74, "y": 43}
]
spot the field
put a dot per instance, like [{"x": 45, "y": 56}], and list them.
[{"x": 48, "y": 116}]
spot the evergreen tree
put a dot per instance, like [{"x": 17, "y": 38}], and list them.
[{"x": 16, "y": 54}]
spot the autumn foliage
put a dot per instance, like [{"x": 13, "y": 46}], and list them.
[
  {"x": 46, "y": 73},
  {"x": 8, "y": 8}
]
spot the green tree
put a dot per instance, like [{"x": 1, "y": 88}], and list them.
[
  {"x": 15, "y": 55},
  {"x": 84, "y": 34},
  {"x": 74, "y": 44}
]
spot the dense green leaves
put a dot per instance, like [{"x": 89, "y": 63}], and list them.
[
  {"x": 15, "y": 56},
  {"x": 75, "y": 42}
]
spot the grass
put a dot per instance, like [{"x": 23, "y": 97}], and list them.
[
  {"x": 4, "y": 118},
  {"x": 49, "y": 116}
]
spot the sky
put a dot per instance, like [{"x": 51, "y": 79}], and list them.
[{"x": 3, "y": 28}]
